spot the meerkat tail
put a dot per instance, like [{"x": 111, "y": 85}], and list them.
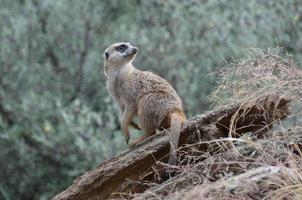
[{"x": 176, "y": 121}]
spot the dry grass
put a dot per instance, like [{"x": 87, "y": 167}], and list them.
[
  {"x": 258, "y": 73},
  {"x": 276, "y": 150}
]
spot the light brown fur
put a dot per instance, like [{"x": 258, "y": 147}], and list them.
[{"x": 143, "y": 94}]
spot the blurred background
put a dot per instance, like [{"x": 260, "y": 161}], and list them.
[{"x": 56, "y": 117}]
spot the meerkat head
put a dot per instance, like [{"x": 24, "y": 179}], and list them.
[{"x": 118, "y": 55}]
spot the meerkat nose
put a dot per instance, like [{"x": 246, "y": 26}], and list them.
[{"x": 135, "y": 49}]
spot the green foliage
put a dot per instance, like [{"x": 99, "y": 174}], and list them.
[{"x": 56, "y": 117}]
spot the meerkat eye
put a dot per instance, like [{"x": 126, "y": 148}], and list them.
[
  {"x": 106, "y": 55},
  {"x": 122, "y": 48}
]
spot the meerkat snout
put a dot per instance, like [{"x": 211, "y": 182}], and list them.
[
  {"x": 131, "y": 52},
  {"x": 134, "y": 50}
]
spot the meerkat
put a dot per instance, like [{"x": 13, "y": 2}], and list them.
[{"x": 143, "y": 94}]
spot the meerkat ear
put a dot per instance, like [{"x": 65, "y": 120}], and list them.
[{"x": 106, "y": 55}]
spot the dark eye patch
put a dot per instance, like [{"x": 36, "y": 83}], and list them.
[{"x": 121, "y": 48}]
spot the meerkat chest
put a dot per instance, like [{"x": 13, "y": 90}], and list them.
[
  {"x": 110, "y": 84},
  {"x": 127, "y": 87},
  {"x": 121, "y": 87}
]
